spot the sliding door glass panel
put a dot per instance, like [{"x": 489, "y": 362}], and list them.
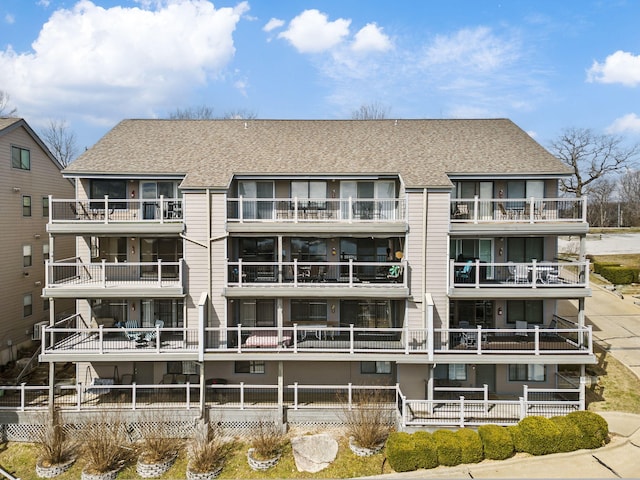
[
  {"x": 386, "y": 194},
  {"x": 535, "y": 189},
  {"x": 486, "y": 208},
  {"x": 347, "y": 190}
]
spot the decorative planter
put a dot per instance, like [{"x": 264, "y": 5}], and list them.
[
  {"x": 53, "y": 470},
  {"x": 260, "y": 465},
  {"x": 203, "y": 476},
  {"x": 152, "y": 470},
  {"x": 110, "y": 475},
  {"x": 362, "y": 451}
]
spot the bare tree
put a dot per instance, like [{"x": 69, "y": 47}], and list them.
[
  {"x": 202, "y": 112},
  {"x": 5, "y": 110},
  {"x": 239, "y": 114},
  {"x": 601, "y": 213},
  {"x": 591, "y": 157},
  {"x": 61, "y": 141},
  {"x": 629, "y": 194},
  {"x": 371, "y": 111}
]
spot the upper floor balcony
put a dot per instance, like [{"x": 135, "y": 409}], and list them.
[
  {"x": 344, "y": 279},
  {"x": 74, "y": 278},
  {"x": 313, "y": 214},
  {"x": 121, "y": 215},
  {"x": 477, "y": 279},
  {"x": 72, "y": 337},
  {"x": 539, "y": 215}
]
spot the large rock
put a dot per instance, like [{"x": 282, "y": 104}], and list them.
[{"x": 313, "y": 453}]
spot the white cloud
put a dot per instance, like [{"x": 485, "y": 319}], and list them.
[
  {"x": 370, "y": 38},
  {"x": 625, "y": 124},
  {"x": 619, "y": 67},
  {"x": 10, "y": 19},
  {"x": 311, "y": 32},
  {"x": 123, "y": 61},
  {"x": 44, "y": 3},
  {"x": 272, "y": 24}
]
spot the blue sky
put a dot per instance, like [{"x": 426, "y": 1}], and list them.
[{"x": 545, "y": 64}]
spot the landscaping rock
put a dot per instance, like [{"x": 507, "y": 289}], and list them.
[{"x": 313, "y": 453}]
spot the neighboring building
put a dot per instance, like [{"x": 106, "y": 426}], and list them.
[
  {"x": 275, "y": 264},
  {"x": 28, "y": 175}
]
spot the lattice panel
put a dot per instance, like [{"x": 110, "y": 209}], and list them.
[{"x": 20, "y": 432}]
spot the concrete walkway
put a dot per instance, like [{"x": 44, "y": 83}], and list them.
[{"x": 616, "y": 327}]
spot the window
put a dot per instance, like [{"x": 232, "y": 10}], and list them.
[
  {"x": 521, "y": 249},
  {"x": 309, "y": 249},
  {"x": 530, "y": 311},
  {"x": 526, "y": 372},
  {"x": 113, "y": 188},
  {"x": 257, "y": 313},
  {"x": 315, "y": 191},
  {"x": 26, "y": 206},
  {"x": 27, "y": 305},
  {"x": 45, "y": 206},
  {"x": 20, "y": 158},
  {"x": 45, "y": 252},
  {"x": 27, "y": 256},
  {"x": 309, "y": 311},
  {"x": 375, "y": 367},
  {"x": 453, "y": 371},
  {"x": 249, "y": 367},
  {"x": 184, "y": 368},
  {"x": 367, "y": 313}
]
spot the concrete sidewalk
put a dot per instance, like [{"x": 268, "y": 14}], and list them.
[{"x": 619, "y": 459}]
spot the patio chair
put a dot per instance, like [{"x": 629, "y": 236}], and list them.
[
  {"x": 395, "y": 272},
  {"x": 469, "y": 339},
  {"x": 462, "y": 211},
  {"x": 151, "y": 335},
  {"x": 129, "y": 331},
  {"x": 464, "y": 275}
]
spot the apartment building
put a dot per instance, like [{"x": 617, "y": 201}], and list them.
[
  {"x": 270, "y": 265},
  {"x": 28, "y": 175}
]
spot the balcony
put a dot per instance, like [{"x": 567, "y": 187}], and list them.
[
  {"x": 520, "y": 215},
  {"x": 313, "y": 215},
  {"x": 124, "y": 216},
  {"x": 503, "y": 280},
  {"x": 322, "y": 342},
  {"x": 323, "y": 278},
  {"x": 73, "y": 278}
]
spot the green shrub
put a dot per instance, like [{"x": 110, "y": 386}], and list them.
[
  {"x": 426, "y": 449},
  {"x": 537, "y": 436},
  {"x": 448, "y": 448},
  {"x": 593, "y": 428},
  {"x": 401, "y": 452},
  {"x": 470, "y": 445},
  {"x": 598, "y": 266},
  {"x": 619, "y": 275},
  {"x": 569, "y": 434},
  {"x": 516, "y": 437},
  {"x": 496, "y": 442}
]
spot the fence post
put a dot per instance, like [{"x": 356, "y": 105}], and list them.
[
  {"x": 404, "y": 412},
  {"x": 486, "y": 397},
  {"x": 239, "y": 338},
  {"x": 106, "y": 209},
  {"x": 134, "y": 392},
  {"x": 583, "y": 382},
  {"x": 523, "y": 407},
  {"x": 241, "y": 395},
  {"x": 188, "y": 395},
  {"x": 461, "y": 411},
  {"x": 295, "y": 395},
  {"x": 78, "y": 396},
  {"x": 351, "y": 338},
  {"x": 350, "y": 394}
]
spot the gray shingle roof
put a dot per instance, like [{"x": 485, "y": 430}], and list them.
[{"x": 422, "y": 152}]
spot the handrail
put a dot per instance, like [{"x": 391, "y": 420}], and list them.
[
  {"x": 29, "y": 367},
  {"x": 522, "y": 210}
]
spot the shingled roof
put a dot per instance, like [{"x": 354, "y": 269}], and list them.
[{"x": 422, "y": 152}]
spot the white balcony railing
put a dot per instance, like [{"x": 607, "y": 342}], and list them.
[
  {"x": 296, "y": 209},
  {"x": 77, "y": 274},
  {"x": 349, "y": 273},
  {"x": 115, "y": 210},
  {"x": 524, "y": 210},
  {"x": 533, "y": 274}
]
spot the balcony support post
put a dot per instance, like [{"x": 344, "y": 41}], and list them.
[
  {"x": 351, "y": 272},
  {"x": 536, "y": 339},
  {"x": 241, "y": 209},
  {"x": 295, "y": 338},
  {"x": 241, "y": 395},
  {"x": 295, "y": 395},
  {"x": 350, "y": 395},
  {"x": 100, "y": 339},
  {"x": 462, "y": 411},
  {"x": 106, "y": 209},
  {"x": 239, "y": 338},
  {"x": 159, "y": 273},
  {"x": 485, "y": 390},
  {"x": 134, "y": 392},
  {"x": 583, "y": 382},
  {"x": 351, "y": 337},
  {"x": 104, "y": 273},
  {"x": 476, "y": 204},
  {"x": 162, "y": 208},
  {"x": 188, "y": 394}
]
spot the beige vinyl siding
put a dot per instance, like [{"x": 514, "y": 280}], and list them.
[
  {"x": 219, "y": 256},
  {"x": 41, "y": 180},
  {"x": 413, "y": 253},
  {"x": 437, "y": 253},
  {"x": 195, "y": 254}
]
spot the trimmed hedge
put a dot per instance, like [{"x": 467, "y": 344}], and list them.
[
  {"x": 448, "y": 448},
  {"x": 471, "y": 449},
  {"x": 598, "y": 266},
  {"x": 593, "y": 428},
  {"x": 427, "y": 450},
  {"x": 536, "y": 435},
  {"x": 619, "y": 275},
  {"x": 569, "y": 434},
  {"x": 497, "y": 441}
]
